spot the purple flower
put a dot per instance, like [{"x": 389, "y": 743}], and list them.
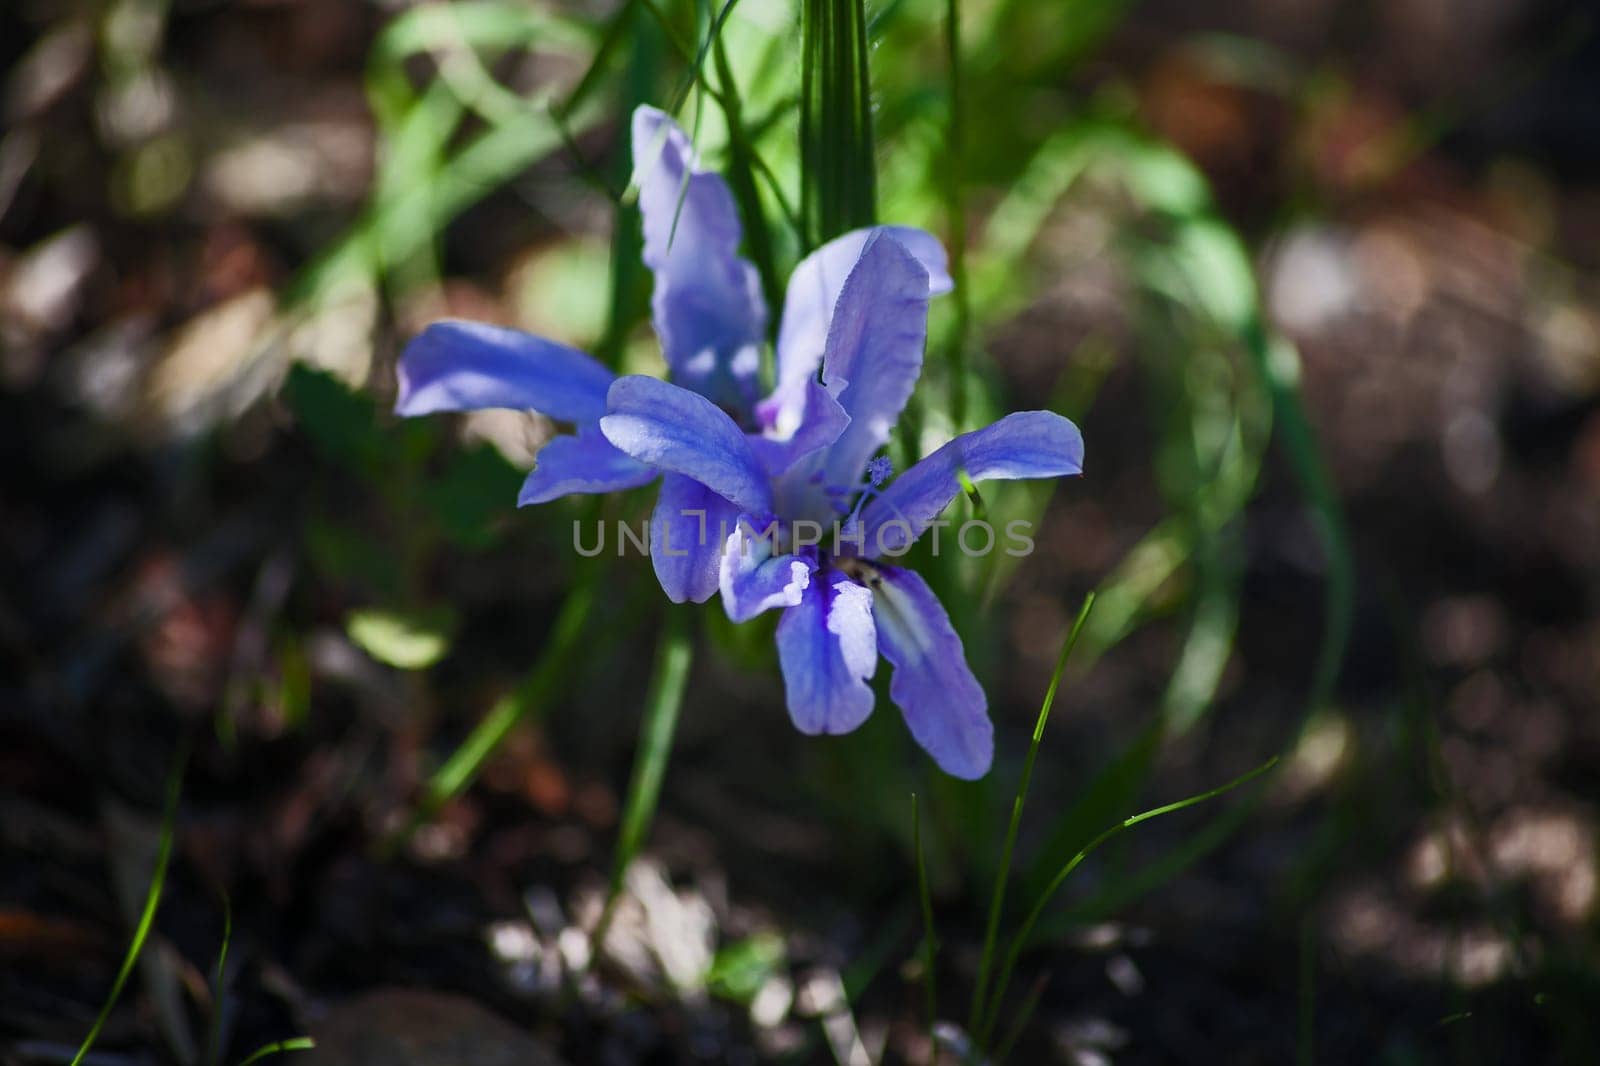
[{"x": 750, "y": 485}]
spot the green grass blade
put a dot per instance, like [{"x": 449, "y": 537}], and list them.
[
  {"x": 997, "y": 900},
  {"x": 837, "y": 165},
  {"x": 533, "y": 695},
  {"x": 152, "y": 901},
  {"x": 1113, "y": 790},
  {"x": 929, "y": 939},
  {"x": 299, "y": 1043},
  {"x": 1020, "y": 940},
  {"x": 218, "y": 990},
  {"x": 1123, "y": 891},
  {"x": 670, "y": 676},
  {"x": 956, "y": 214},
  {"x": 741, "y": 175},
  {"x": 1019, "y": 1025}
]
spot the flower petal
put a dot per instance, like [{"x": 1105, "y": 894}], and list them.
[
  {"x": 709, "y": 312},
  {"x": 752, "y": 579},
  {"x": 1027, "y": 444},
  {"x": 672, "y": 428},
  {"x": 466, "y": 366},
  {"x": 827, "y": 646},
  {"x": 815, "y": 285},
  {"x": 585, "y": 463},
  {"x": 943, "y": 704},
  {"x": 687, "y": 532},
  {"x": 820, "y": 422},
  {"x": 874, "y": 351}
]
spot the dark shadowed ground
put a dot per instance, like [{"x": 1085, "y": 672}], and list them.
[{"x": 183, "y": 537}]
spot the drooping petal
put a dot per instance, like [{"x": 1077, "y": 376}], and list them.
[
  {"x": 1027, "y": 444},
  {"x": 827, "y": 646},
  {"x": 687, "y": 532},
  {"x": 753, "y": 579},
  {"x": 708, "y": 308},
  {"x": 467, "y": 366},
  {"x": 874, "y": 351},
  {"x": 815, "y": 285},
  {"x": 943, "y": 704},
  {"x": 821, "y": 421},
  {"x": 582, "y": 463},
  {"x": 672, "y": 428}
]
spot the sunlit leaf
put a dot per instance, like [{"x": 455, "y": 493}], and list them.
[{"x": 408, "y": 640}]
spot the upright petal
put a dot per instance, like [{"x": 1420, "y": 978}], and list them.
[
  {"x": 1027, "y": 444},
  {"x": 752, "y": 578},
  {"x": 815, "y": 285},
  {"x": 709, "y": 312},
  {"x": 827, "y": 647},
  {"x": 466, "y": 366},
  {"x": 581, "y": 463},
  {"x": 672, "y": 428},
  {"x": 874, "y": 351},
  {"x": 943, "y": 704},
  {"x": 687, "y": 532}
]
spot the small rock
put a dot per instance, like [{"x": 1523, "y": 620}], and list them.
[{"x": 403, "y": 1027}]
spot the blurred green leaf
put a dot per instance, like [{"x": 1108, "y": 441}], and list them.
[
  {"x": 740, "y": 969},
  {"x": 341, "y": 423},
  {"x": 474, "y": 491},
  {"x": 410, "y": 640},
  {"x": 354, "y": 556}
]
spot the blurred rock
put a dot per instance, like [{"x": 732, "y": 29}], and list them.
[
  {"x": 49, "y": 69},
  {"x": 404, "y": 1027},
  {"x": 288, "y": 167},
  {"x": 43, "y": 289},
  {"x": 215, "y": 366}
]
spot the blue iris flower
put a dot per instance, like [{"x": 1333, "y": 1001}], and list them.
[{"x": 778, "y": 502}]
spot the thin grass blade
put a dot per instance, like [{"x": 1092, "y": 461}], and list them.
[
  {"x": 956, "y": 215},
  {"x": 152, "y": 902},
  {"x": 219, "y": 988},
  {"x": 674, "y": 655},
  {"x": 466, "y": 762},
  {"x": 299, "y": 1043},
  {"x": 1020, "y": 940},
  {"x": 929, "y": 938},
  {"x": 997, "y": 900}
]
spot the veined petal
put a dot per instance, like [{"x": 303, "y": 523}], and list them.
[
  {"x": 584, "y": 463},
  {"x": 818, "y": 422},
  {"x": 827, "y": 646},
  {"x": 874, "y": 351},
  {"x": 943, "y": 704},
  {"x": 708, "y": 308},
  {"x": 466, "y": 366},
  {"x": 672, "y": 428},
  {"x": 687, "y": 532},
  {"x": 815, "y": 285},
  {"x": 1027, "y": 444},
  {"x": 753, "y": 580}
]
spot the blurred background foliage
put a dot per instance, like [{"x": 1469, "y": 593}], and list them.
[{"x": 1317, "y": 280}]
